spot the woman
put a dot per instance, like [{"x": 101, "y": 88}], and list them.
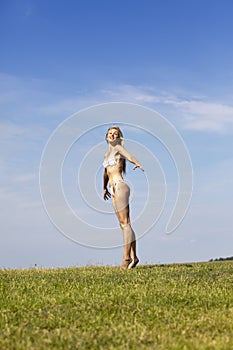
[{"x": 115, "y": 165}]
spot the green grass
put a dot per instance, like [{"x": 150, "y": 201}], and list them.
[{"x": 179, "y": 307}]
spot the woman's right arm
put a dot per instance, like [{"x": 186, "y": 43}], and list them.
[{"x": 107, "y": 194}]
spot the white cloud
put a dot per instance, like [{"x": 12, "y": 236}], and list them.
[
  {"x": 195, "y": 114},
  {"x": 205, "y": 116},
  {"x": 24, "y": 178},
  {"x": 9, "y": 129},
  {"x": 132, "y": 93},
  {"x": 32, "y": 100}
]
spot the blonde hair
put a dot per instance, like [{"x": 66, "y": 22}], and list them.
[{"x": 121, "y": 138}]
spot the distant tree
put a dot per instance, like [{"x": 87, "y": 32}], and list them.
[{"x": 221, "y": 259}]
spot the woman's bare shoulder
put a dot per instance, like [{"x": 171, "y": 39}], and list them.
[
  {"x": 106, "y": 154},
  {"x": 119, "y": 148}
]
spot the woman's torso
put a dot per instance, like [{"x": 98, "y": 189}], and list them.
[{"x": 114, "y": 166}]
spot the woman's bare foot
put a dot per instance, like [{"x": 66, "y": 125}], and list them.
[
  {"x": 125, "y": 263},
  {"x": 133, "y": 263}
]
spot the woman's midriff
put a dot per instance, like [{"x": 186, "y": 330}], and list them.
[{"x": 113, "y": 175}]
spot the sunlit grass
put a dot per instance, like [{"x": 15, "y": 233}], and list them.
[{"x": 180, "y": 306}]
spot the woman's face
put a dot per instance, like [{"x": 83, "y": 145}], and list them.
[{"x": 113, "y": 135}]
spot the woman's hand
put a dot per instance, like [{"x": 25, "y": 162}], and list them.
[
  {"x": 138, "y": 165},
  {"x": 107, "y": 194}
]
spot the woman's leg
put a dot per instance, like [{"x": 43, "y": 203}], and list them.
[{"x": 121, "y": 206}]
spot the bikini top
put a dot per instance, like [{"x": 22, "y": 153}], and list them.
[{"x": 109, "y": 161}]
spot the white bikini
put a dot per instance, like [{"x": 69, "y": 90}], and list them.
[{"x": 109, "y": 161}]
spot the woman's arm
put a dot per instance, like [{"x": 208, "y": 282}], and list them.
[
  {"x": 129, "y": 157},
  {"x": 107, "y": 194}
]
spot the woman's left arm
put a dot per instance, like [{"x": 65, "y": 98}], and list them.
[{"x": 129, "y": 157}]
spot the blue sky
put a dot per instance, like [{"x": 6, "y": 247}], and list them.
[{"x": 58, "y": 57}]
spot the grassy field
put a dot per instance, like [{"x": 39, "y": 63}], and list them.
[{"x": 180, "y": 306}]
